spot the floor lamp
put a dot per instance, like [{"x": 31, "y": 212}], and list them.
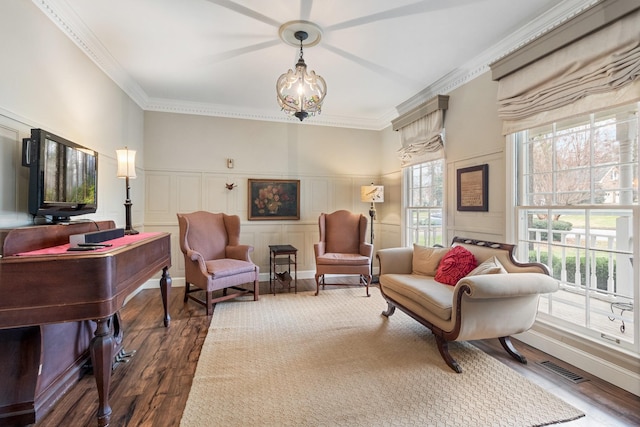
[
  {"x": 372, "y": 194},
  {"x": 127, "y": 170}
]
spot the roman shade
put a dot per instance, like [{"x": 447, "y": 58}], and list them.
[
  {"x": 599, "y": 70},
  {"x": 422, "y": 132}
]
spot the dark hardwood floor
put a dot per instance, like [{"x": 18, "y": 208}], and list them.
[{"x": 152, "y": 389}]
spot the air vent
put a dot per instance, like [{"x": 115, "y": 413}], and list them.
[{"x": 564, "y": 373}]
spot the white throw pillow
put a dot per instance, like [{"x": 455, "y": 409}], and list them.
[
  {"x": 490, "y": 266},
  {"x": 426, "y": 259}
]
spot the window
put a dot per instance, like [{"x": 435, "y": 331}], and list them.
[
  {"x": 423, "y": 203},
  {"x": 577, "y": 212}
]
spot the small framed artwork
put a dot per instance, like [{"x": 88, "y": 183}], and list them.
[
  {"x": 274, "y": 199},
  {"x": 473, "y": 189}
]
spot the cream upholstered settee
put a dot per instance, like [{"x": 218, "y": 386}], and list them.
[{"x": 497, "y": 299}]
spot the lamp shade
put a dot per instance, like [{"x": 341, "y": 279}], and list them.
[
  {"x": 126, "y": 163},
  {"x": 372, "y": 193}
]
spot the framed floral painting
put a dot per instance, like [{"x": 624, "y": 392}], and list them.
[{"x": 277, "y": 199}]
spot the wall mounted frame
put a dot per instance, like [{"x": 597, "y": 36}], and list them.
[
  {"x": 274, "y": 199},
  {"x": 473, "y": 188}
]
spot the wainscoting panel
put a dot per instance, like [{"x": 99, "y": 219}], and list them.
[
  {"x": 14, "y": 177},
  {"x": 169, "y": 192},
  {"x": 481, "y": 225},
  {"x": 9, "y": 163},
  {"x": 346, "y": 195},
  {"x": 319, "y": 196},
  {"x": 158, "y": 200},
  {"x": 189, "y": 192},
  {"x": 216, "y": 197},
  {"x": 263, "y": 239}
]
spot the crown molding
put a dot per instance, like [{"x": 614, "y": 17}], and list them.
[{"x": 478, "y": 65}]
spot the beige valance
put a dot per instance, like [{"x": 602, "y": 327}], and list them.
[
  {"x": 422, "y": 132},
  {"x": 422, "y": 140},
  {"x": 600, "y": 70}
]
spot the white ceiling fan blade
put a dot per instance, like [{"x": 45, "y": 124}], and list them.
[{"x": 246, "y": 11}]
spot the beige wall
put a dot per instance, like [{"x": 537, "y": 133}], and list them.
[
  {"x": 186, "y": 170},
  {"x": 472, "y": 137},
  {"x": 47, "y": 82}
]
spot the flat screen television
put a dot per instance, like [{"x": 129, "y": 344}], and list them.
[{"x": 63, "y": 176}]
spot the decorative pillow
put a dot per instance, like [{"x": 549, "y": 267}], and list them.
[
  {"x": 426, "y": 260},
  {"x": 456, "y": 264},
  {"x": 490, "y": 266}
]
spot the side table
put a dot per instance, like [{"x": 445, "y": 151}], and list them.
[{"x": 279, "y": 256}]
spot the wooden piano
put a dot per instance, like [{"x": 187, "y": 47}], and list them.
[{"x": 50, "y": 300}]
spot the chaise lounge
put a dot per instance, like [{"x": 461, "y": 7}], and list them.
[{"x": 498, "y": 298}]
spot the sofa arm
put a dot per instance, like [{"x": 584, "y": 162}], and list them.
[
  {"x": 395, "y": 260},
  {"x": 508, "y": 285}
]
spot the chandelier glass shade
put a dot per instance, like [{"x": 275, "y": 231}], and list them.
[{"x": 301, "y": 94}]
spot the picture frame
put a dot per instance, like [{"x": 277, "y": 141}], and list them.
[
  {"x": 274, "y": 199},
  {"x": 473, "y": 188}
]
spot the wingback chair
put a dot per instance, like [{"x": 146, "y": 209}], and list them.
[
  {"x": 342, "y": 248},
  {"x": 214, "y": 259}
]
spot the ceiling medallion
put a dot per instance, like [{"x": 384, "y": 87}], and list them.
[{"x": 301, "y": 94}]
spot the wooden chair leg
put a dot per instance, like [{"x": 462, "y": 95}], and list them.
[
  {"x": 390, "y": 310},
  {"x": 508, "y": 346},
  {"x": 208, "y": 305},
  {"x": 318, "y": 283},
  {"x": 443, "y": 348},
  {"x": 367, "y": 280},
  {"x": 186, "y": 291}
]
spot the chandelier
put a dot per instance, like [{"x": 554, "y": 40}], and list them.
[{"x": 300, "y": 93}]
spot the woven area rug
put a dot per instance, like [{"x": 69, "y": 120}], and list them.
[{"x": 333, "y": 360}]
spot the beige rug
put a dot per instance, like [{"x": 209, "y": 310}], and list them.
[{"x": 333, "y": 360}]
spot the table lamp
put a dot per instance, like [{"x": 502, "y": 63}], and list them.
[{"x": 127, "y": 170}]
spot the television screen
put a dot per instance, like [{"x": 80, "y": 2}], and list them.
[
  {"x": 69, "y": 174},
  {"x": 63, "y": 176}
]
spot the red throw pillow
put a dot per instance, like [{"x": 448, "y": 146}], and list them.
[{"x": 456, "y": 264}]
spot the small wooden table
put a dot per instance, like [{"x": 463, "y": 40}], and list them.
[{"x": 283, "y": 255}]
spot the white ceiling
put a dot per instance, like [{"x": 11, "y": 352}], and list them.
[{"x": 223, "y": 57}]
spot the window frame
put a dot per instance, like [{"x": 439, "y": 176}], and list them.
[
  {"x": 432, "y": 232},
  {"x": 518, "y": 230}
]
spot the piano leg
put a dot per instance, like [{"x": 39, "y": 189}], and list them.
[
  {"x": 165, "y": 288},
  {"x": 102, "y": 359}
]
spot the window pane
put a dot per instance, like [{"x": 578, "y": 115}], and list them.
[
  {"x": 425, "y": 199},
  {"x": 581, "y": 175}
]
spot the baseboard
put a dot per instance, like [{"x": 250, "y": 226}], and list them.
[{"x": 619, "y": 369}]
